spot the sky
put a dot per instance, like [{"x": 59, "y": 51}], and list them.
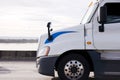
[{"x": 28, "y": 18}]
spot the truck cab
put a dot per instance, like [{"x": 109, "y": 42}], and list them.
[{"x": 91, "y": 46}]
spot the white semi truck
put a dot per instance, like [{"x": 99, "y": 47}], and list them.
[{"x": 94, "y": 45}]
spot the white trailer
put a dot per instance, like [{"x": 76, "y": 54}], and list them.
[{"x": 94, "y": 45}]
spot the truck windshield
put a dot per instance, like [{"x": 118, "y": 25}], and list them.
[{"x": 89, "y": 13}]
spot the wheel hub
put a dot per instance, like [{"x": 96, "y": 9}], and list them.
[{"x": 73, "y": 70}]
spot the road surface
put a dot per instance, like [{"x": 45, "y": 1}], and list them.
[{"x": 21, "y": 70}]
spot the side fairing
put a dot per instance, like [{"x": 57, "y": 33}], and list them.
[{"x": 65, "y": 40}]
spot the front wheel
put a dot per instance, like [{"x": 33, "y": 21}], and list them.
[{"x": 73, "y": 67}]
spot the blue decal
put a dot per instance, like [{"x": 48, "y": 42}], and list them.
[{"x": 55, "y": 35}]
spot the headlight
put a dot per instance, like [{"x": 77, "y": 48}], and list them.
[{"x": 43, "y": 52}]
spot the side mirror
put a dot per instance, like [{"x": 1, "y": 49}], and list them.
[
  {"x": 49, "y": 30},
  {"x": 103, "y": 15},
  {"x": 102, "y": 18}
]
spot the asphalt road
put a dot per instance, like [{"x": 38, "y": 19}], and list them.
[{"x": 21, "y": 70}]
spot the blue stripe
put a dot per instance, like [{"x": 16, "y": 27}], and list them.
[{"x": 55, "y": 35}]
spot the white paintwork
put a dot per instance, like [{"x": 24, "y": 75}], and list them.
[
  {"x": 89, "y": 36},
  {"x": 66, "y": 42},
  {"x": 107, "y": 41},
  {"x": 110, "y": 38}
]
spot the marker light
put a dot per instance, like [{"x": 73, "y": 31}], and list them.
[
  {"x": 89, "y": 42},
  {"x": 90, "y": 4}
]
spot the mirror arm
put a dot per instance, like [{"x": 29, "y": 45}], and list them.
[
  {"x": 49, "y": 30},
  {"x": 101, "y": 28}
]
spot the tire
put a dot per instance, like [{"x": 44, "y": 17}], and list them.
[{"x": 73, "y": 67}]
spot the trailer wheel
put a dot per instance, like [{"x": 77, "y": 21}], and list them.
[{"x": 73, "y": 67}]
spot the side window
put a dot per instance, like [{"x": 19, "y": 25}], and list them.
[{"x": 113, "y": 12}]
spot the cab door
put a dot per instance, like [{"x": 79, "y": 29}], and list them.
[{"x": 109, "y": 39}]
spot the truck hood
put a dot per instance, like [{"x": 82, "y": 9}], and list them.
[{"x": 43, "y": 41}]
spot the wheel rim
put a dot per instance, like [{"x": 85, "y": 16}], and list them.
[{"x": 73, "y": 70}]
